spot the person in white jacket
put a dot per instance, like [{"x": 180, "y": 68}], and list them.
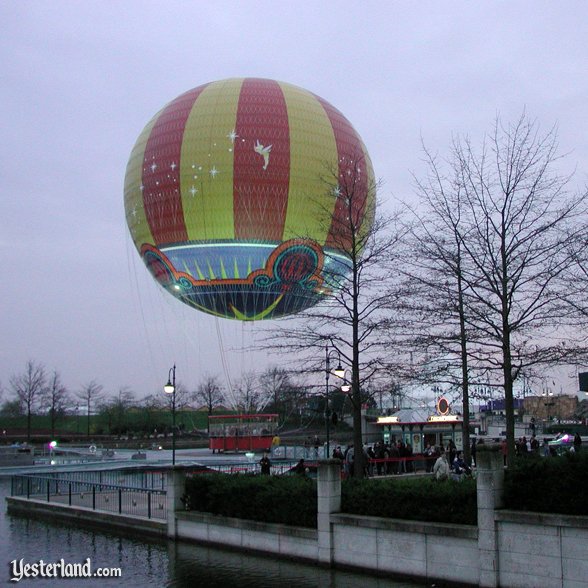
[{"x": 441, "y": 467}]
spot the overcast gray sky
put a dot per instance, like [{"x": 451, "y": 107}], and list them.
[{"x": 79, "y": 80}]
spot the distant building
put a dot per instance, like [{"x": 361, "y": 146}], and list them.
[
  {"x": 498, "y": 407},
  {"x": 560, "y": 407},
  {"x": 420, "y": 426}
]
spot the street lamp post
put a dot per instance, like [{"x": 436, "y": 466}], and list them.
[
  {"x": 339, "y": 372},
  {"x": 170, "y": 388}
]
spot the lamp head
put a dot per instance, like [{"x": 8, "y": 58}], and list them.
[
  {"x": 339, "y": 371},
  {"x": 169, "y": 388}
]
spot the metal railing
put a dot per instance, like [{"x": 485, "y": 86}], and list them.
[
  {"x": 130, "y": 478},
  {"x": 135, "y": 501},
  {"x": 277, "y": 468}
]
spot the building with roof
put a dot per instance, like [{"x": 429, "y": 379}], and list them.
[{"x": 422, "y": 426}]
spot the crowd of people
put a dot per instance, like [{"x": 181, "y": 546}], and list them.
[
  {"x": 398, "y": 458},
  {"x": 525, "y": 447}
]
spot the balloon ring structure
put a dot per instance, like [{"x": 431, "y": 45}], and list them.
[{"x": 234, "y": 200}]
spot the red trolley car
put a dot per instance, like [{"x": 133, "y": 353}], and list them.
[{"x": 242, "y": 432}]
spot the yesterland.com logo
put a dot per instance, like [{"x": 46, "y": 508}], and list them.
[{"x": 19, "y": 570}]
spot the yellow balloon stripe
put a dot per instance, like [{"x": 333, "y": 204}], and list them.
[
  {"x": 134, "y": 210},
  {"x": 260, "y": 315},
  {"x": 207, "y": 162},
  {"x": 313, "y": 157}
]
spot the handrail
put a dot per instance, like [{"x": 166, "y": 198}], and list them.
[{"x": 129, "y": 500}]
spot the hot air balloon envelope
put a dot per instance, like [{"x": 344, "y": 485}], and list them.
[{"x": 229, "y": 202}]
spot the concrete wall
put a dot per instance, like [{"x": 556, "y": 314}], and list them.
[
  {"x": 85, "y": 516},
  {"x": 542, "y": 550},
  {"x": 423, "y": 550},
  {"x": 281, "y": 540},
  {"x": 382, "y": 546}
]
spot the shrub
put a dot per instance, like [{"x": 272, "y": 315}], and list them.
[
  {"x": 549, "y": 484},
  {"x": 290, "y": 500},
  {"x": 419, "y": 499}
]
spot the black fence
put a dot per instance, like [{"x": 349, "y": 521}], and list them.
[
  {"x": 136, "y": 501},
  {"x": 130, "y": 478},
  {"x": 277, "y": 468}
]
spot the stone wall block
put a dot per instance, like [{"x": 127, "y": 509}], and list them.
[
  {"x": 176, "y": 484},
  {"x": 490, "y": 485},
  {"x": 329, "y": 501}
]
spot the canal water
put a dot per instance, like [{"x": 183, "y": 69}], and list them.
[{"x": 156, "y": 563}]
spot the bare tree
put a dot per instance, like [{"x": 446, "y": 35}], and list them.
[
  {"x": 436, "y": 299},
  {"x": 350, "y": 320},
  {"x": 520, "y": 223},
  {"x": 209, "y": 393},
  {"x": 275, "y": 383},
  {"x": 91, "y": 393},
  {"x": 55, "y": 399},
  {"x": 247, "y": 395},
  {"x": 28, "y": 388},
  {"x": 575, "y": 282},
  {"x": 11, "y": 408},
  {"x": 115, "y": 409}
]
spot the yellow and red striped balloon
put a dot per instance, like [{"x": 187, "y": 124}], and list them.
[{"x": 231, "y": 196}]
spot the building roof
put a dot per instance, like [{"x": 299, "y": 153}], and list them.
[{"x": 417, "y": 416}]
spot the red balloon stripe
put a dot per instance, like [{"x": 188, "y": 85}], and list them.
[
  {"x": 261, "y": 195},
  {"x": 352, "y": 178},
  {"x": 161, "y": 171}
]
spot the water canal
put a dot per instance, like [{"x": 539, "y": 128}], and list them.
[{"x": 155, "y": 563}]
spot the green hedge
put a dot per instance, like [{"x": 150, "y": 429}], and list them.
[
  {"x": 290, "y": 500},
  {"x": 418, "y": 499},
  {"x": 548, "y": 484}
]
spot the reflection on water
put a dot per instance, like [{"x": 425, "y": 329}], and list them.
[
  {"x": 195, "y": 565},
  {"x": 157, "y": 563},
  {"x": 142, "y": 563}
]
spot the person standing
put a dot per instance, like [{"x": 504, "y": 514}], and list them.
[
  {"x": 451, "y": 450},
  {"x": 349, "y": 461},
  {"x": 300, "y": 468},
  {"x": 338, "y": 454},
  {"x": 265, "y": 464},
  {"x": 441, "y": 467},
  {"x": 473, "y": 452},
  {"x": 577, "y": 442},
  {"x": 316, "y": 443},
  {"x": 429, "y": 458}
]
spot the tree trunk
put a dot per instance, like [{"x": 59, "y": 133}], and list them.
[
  {"x": 464, "y": 373},
  {"x": 508, "y": 399},
  {"x": 28, "y": 423},
  {"x": 358, "y": 461},
  {"x": 358, "y": 457}
]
